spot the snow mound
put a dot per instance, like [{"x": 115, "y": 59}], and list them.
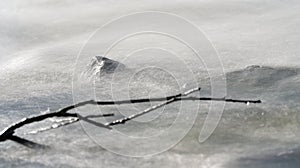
[
  {"x": 262, "y": 76},
  {"x": 275, "y": 84},
  {"x": 100, "y": 65}
]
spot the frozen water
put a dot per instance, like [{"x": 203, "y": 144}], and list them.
[{"x": 258, "y": 43}]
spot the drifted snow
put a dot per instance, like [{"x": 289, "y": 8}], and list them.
[
  {"x": 101, "y": 65},
  {"x": 41, "y": 39}
]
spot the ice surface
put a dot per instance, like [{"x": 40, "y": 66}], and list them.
[{"x": 258, "y": 43}]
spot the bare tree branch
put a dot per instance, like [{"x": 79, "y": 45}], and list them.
[{"x": 8, "y": 133}]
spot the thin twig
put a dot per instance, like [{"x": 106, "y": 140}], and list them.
[
  {"x": 75, "y": 118},
  {"x": 123, "y": 120},
  {"x": 219, "y": 99},
  {"x": 54, "y": 126}
]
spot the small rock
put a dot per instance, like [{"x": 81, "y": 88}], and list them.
[{"x": 101, "y": 65}]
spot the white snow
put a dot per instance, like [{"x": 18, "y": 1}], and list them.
[{"x": 257, "y": 41}]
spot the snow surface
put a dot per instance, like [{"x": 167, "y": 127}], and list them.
[{"x": 257, "y": 41}]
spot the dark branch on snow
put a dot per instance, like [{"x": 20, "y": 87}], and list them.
[{"x": 8, "y": 133}]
